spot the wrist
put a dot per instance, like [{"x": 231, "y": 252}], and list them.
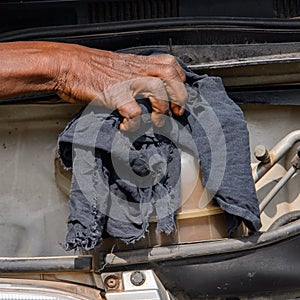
[{"x": 51, "y": 60}]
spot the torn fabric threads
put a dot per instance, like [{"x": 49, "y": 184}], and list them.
[{"x": 212, "y": 128}]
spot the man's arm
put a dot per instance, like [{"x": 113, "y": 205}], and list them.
[
  {"x": 26, "y": 67},
  {"x": 80, "y": 75}
]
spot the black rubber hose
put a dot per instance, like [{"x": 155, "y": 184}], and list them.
[{"x": 285, "y": 219}]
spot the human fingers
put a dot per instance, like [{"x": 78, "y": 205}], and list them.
[
  {"x": 154, "y": 89},
  {"x": 131, "y": 112},
  {"x": 120, "y": 96},
  {"x": 177, "y": 94}
]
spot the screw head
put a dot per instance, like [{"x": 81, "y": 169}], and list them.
[
  {"x": 262, "y": 153},
  {"x": 112, "y": 282},
  {"x": 137, "y": 278}
]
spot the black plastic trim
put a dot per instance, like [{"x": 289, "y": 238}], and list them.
[
  {"x": 201, "y": 249},
  {"x": 153, "y": 24}
]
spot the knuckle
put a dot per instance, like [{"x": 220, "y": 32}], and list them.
[
  {"x": 170, "y": 59},
  {"x": 155, "y": 84},
  {"x": 182, "y": 74},
  {"x": 152, "y": 83},
  {"x": 130, "y": 109},
  {"x": 170, "y": 72},
  {"x": 169, "y": 66},
  {"x": 159, "y": 84},
  {"x": 182, "y": 93}
]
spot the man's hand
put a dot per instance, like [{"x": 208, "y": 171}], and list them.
[
  {"x": 116, "y": 80},
  {"x": 80, "y": 75}
]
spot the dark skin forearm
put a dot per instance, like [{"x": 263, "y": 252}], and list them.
[
  {"x": 80, "y": 75},
  {"x": 25, "y": 67}
]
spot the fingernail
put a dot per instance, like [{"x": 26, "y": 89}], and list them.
[{"x": 124, "y": 125}]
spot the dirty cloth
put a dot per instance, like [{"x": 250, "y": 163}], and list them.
[{"x": 119, "y": 179}]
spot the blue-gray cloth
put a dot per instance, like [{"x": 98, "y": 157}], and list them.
[{"x": 119, "y": 178}]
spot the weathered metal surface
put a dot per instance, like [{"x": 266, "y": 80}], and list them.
[
  {"x": 33, "y": 211},
  {"x": 277, "y": 152},
  {"x": 262, "y": 154},
  {"x": 136, "y": 284},
  {"x": 265, "y": 265},
  {"x": 46, "y": 264}
]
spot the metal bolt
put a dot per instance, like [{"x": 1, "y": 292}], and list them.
[
  {"x": 262, "y": 153},
  {"x": 112, "y": 282},
  {"x": 137, "y": 278}
]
